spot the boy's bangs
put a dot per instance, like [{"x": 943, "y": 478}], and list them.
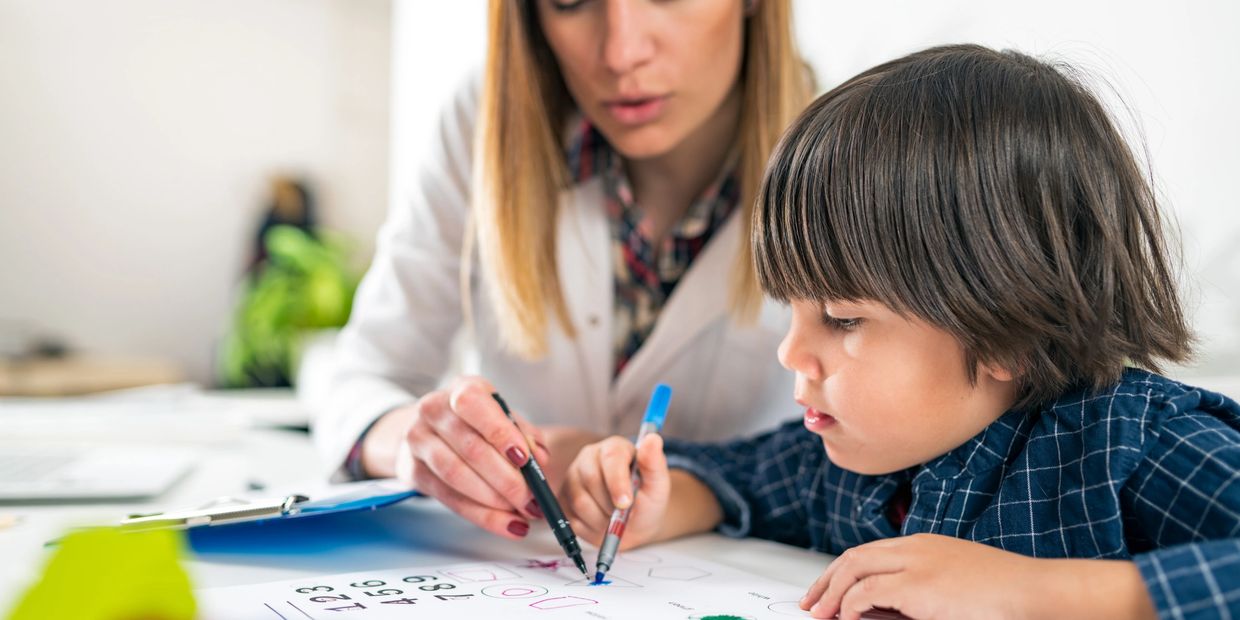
[{"x": 820, "y": 229}]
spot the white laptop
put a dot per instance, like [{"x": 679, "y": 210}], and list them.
[{"x": 98, "y": 473}]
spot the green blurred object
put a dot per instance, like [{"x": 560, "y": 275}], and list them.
[
  {"x": 304, "y": 284},
  {"x": 106, "y": 574}
]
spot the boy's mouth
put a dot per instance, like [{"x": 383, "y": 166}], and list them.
[{"x": 817, "y": 421}]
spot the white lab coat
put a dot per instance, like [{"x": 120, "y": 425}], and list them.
[{"x": 725, "y": 378}]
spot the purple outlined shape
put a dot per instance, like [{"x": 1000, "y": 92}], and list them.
[{"x": 479, "y": 574}]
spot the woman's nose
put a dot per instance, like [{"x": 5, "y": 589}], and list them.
[{"x": 627, "y": 42}]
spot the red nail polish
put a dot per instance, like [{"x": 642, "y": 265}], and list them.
[
  {"x": 519, "y": 528},
  {"x": 516, "y": 455},
  {"x": 533, "y": 509}
]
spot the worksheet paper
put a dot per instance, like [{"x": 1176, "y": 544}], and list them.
[{"x": 643, "y": 584}]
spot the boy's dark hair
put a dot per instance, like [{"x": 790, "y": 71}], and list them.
[{"x": 987, "y": 194}]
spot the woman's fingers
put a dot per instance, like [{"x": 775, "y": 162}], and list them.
[
  {"x": 431, "y": 452},
  {"x": 499, "y": 522}
]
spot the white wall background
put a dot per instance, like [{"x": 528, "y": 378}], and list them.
[
  {"x": 1173, "y": 63},
  {"x": 135, "y": 135},
  {"x": 135, "y": 141}
]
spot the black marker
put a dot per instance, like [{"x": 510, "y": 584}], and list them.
[{"x": 537, "y": 482}]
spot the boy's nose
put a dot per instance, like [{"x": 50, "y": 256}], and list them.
[{"x": 795, "y": 357}]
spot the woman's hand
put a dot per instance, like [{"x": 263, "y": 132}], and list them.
[
  {"x": 928, "y": 576},
  {"x": 599, "y": 480},
  {"x": 457, "y": 446}
]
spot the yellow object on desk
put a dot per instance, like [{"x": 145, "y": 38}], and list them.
[{"x": 106, "y": 574}]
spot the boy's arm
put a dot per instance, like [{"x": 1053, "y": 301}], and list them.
[
  {"x": 1184, "y": 502},
  {"x": 755, "y": 482}
]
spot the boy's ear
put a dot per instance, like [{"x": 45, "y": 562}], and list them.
[{"x": 995, "y": 371}]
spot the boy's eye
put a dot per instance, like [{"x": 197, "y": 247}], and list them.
[{"x": 840, "y": 323}]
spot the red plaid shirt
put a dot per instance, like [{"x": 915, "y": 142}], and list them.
[{"x": 645, "y": 273}]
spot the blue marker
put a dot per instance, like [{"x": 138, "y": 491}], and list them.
[{"x": 656, "y": 411}]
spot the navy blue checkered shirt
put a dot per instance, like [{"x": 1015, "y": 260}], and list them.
[{"x": 1146, "y": 470}]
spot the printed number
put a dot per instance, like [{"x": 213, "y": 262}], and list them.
[
  {"x": 450, "y": 597},
  {"x": 328, "y": 599},
  {"x": 401, "y": 601},
  {"x": 373, "y": 583},
  {"x": 353, "y": 606},
  {"x": 418, "y": 578},
  {"x": 308, "y": 590},
  {"x": 431, "y": 587},
  {"x": 384, "y": 592}
]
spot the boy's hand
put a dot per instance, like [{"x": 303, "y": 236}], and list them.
[
  {"x": 599, "y": 481},
  {"x": 927, "y": 576},
  {"x": 923, "y": 576}
]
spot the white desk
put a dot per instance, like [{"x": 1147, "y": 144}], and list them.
[{"x": 418, "y": 532}]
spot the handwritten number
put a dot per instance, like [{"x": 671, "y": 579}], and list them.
[
  {"x": 436, "y": 586},
  {"x": 373, "y": 583},
  {"x": 446, "y": 597},
  {"x": 328, "y": 599},
  {"x": 401, "y": 601},
  {"x": 419, "y": 578},
  {"x": 353, "y": 606},
  {"x": 384, "y": 592},
  {"x": 308, "y": 590}
]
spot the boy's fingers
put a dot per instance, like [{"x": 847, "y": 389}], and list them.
[
  {"x": 873, "y": 591},
  {"x": 652, "y": 464},
  {"x": 815, "y": 592},
  {"x": 854, "y": 565},
  {"x": 616, "y": 460}
]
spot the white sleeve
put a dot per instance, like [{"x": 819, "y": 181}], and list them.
[{"x": 396, "y": 345}]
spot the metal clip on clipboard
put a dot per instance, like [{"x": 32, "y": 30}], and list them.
[{"x": 217, "y": 512}]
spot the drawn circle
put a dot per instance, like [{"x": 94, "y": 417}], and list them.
[
  {"x": 788, "y": 608},
  {"x": 514, "y": 590}
]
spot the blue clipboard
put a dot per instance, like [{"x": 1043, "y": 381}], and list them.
[{"x": 232, "y": 512}]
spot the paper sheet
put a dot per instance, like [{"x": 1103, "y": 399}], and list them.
[{"x": 643, "y": 584}]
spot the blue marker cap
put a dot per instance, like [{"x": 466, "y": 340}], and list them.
[{"x": 657, "y": 409}]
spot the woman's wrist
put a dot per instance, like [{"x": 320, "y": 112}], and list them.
[{"x": 381, "y": 442}]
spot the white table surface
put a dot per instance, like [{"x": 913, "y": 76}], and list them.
[{"x": 417, "y": 532}]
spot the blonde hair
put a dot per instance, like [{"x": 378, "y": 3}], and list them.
[{"x": 520, "y": 168}]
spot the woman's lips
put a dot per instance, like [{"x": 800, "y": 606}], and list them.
[
  {"x": 636, "y": 111},
  {"x": 817, "y": 421}
]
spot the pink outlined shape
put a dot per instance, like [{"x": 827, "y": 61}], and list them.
[
  {"x": 552, "y": 565},
  {"x": 561, "y": 602},
  {"x": 514, "y": 590},
  {"x": 480, "y": 574}
]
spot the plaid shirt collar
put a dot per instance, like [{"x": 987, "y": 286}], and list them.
[{"x": 590, "y": 155}]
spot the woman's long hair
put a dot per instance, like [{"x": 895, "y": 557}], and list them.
[{"x": 520, "y": 168}]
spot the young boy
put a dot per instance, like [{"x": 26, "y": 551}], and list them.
[{"x": 974, "y": 260}]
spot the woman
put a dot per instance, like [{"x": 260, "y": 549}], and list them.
[{"x": 585, "y": 213}]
